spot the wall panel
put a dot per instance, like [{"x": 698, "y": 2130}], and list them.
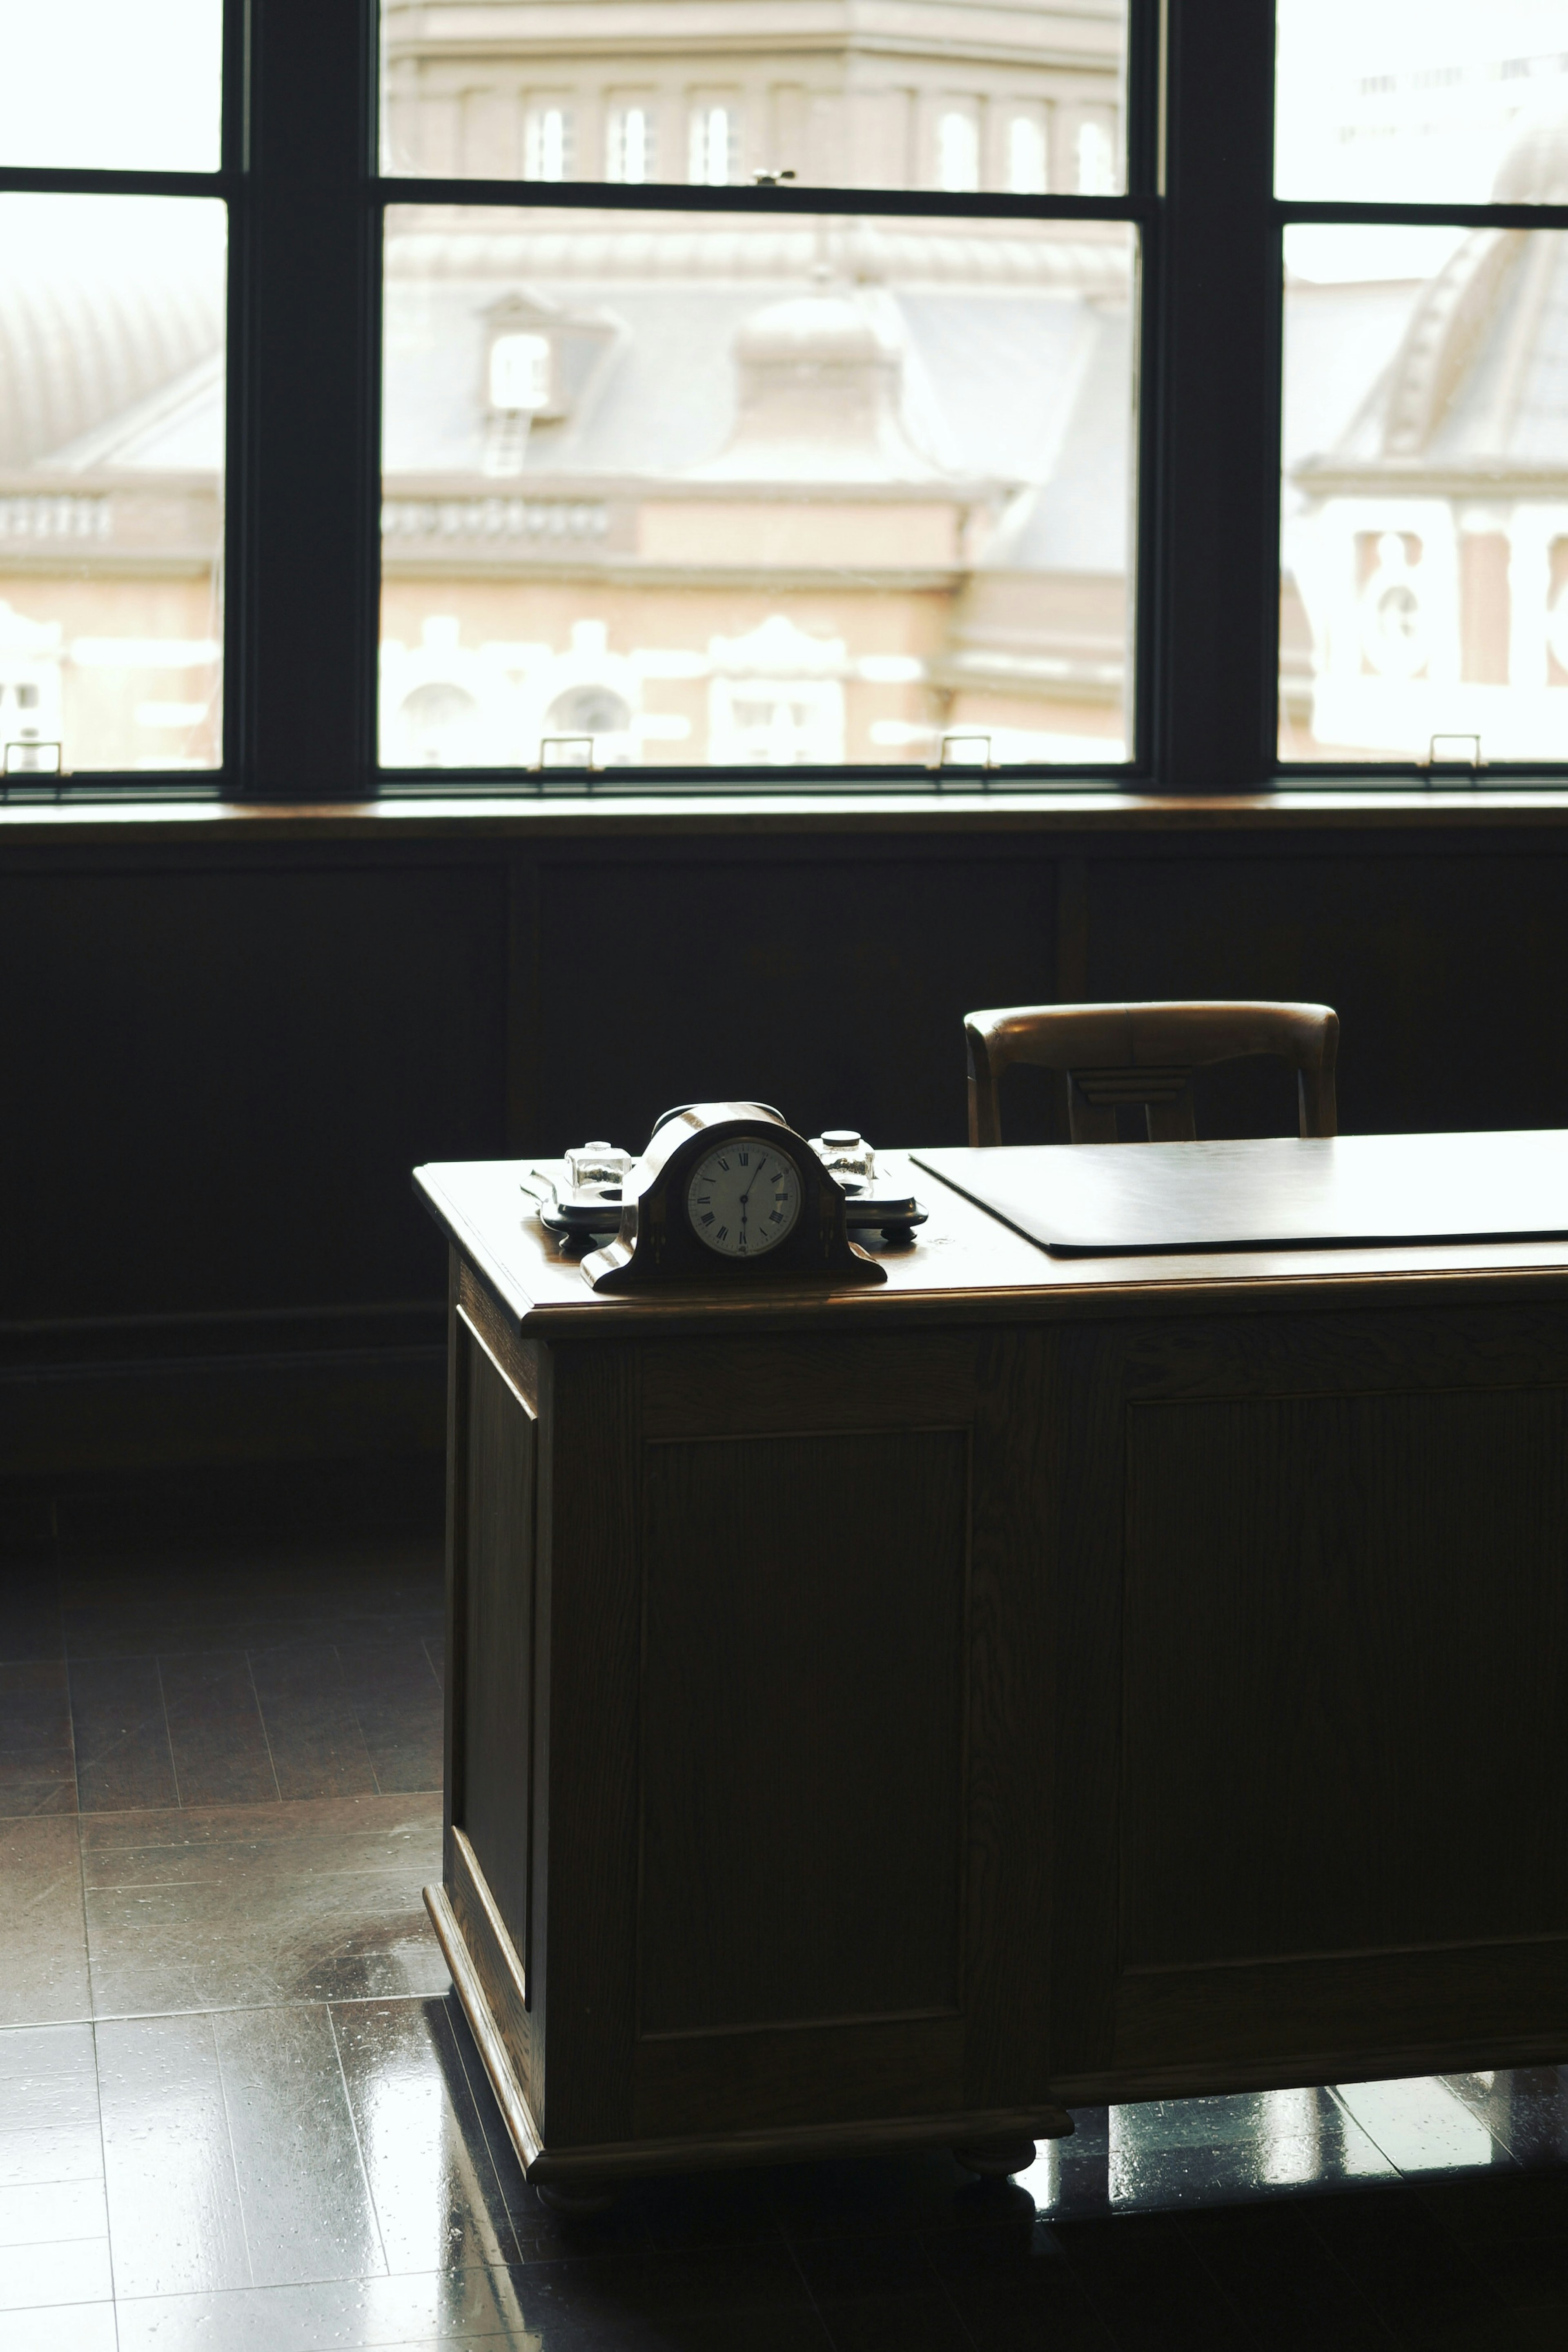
[
  {"x": 225, "y": 1046},
  {"x": 832, "y": 985},
  {"x": 1448, "y": 971},
  {"x": 217, "y": 1081}
]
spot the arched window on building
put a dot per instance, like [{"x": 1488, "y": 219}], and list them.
[
  {"x": 438, "y": 721},
  {"x": 713, "y": 155},
  {"x": 588, "y": 711},
  {"x": 958, "y": 150},
  {"x": 1096, "y": 157},
  {"x": 1026, "y": 166},
  {"x": 547, "y": 142},
  {"x": 630, "y": 146}
]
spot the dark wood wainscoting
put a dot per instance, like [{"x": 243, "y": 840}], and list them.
[{"x": 229, "y": 1037}]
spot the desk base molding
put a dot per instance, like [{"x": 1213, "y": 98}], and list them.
[
  {"x": 1397, "y": 2006},
  {"x": 1476, "y": 2054},
  {"x": 794, "y": 2144},
  {"x": 629, "y": 2159},
  {"x": 516, "y": 2113}
]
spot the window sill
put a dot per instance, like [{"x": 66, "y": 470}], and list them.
[{"x": 1322, "y": 808}]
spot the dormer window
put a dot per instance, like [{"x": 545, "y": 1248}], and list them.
[
  {"x": 521, "y": 372},
  {"x": 519, "y": 384},
  {"x": 537, "y": 362}
]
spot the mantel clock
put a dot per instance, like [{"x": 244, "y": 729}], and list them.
[{"x": 727, "y": 1190}]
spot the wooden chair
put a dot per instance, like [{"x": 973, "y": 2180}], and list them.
[{"x": 1145, "y": 1053}]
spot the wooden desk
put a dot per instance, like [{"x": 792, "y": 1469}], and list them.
[{"x": 887, "y": 1717}]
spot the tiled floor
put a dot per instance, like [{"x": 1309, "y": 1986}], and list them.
[{"x": 239, "y": 2111}]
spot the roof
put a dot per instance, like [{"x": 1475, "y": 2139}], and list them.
[
  {"x": 815, "y": 354},
  {"x": 92, "y": 321},
  {"x": 1476, "y": 393}
]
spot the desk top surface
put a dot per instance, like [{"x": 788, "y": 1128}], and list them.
[
  {"x": 967, "y": 1264},
  {"x": 1110, "y": 1199}
]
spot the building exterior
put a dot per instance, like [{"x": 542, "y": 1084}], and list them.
[
  {"x": 729, "y": 492},
  {"x": 792, "y": 492},
  {"x": 1428, "y": 541},
  {"x": 679, "y": 489},
  {"x": 112, "y": 406},
  {"x": 660, "y": 490},
  {"x": 949, "y": 94}
]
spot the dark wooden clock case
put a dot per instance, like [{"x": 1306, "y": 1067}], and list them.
[{"x": 655, "y": 1243}]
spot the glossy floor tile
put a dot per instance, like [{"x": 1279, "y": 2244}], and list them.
[
  {"x": 1523, "y": 2110},
  {"x": 246, "y": 1905},
  {"x": 306, "y": 2203},
  {"x": 43, "y": 1936},
  {"x": 318, "y": 1747},
  {"x": 395, "y": 1689},
  {"x": 470, "y": 2306},
  {"x": 54, "y": 2222},
  {"x": 218, "y": 1740},
  {"x": 37, "y": 1755},
  {"x": 240, "y": 2112},
  {"x": 1172, "y": 2153},
  {"x": 63, "y": 2327},
  {"x": 48, "y": 2088},
  {"x": 1424, "y": 2127},
  {"x": 433, "y": 2178},
  {"x": 123, "y": 1757},
  {"x": 169, "y": 2164}
]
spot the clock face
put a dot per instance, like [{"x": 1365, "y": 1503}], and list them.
[{"x": 745, "y": 1197}]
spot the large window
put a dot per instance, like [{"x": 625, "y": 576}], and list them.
[
  {"x": 112, "y": 334},
  {"x": 777, "y": 485},
  {"x": 739, "y": 491},
  {"x": 425, "y": 394},
  {"x": 1424, "y": 452}
]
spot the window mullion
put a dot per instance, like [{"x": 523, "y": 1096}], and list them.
[
  {"x": 1216, "y": 380},
  {"x": 303, "y": 372}
]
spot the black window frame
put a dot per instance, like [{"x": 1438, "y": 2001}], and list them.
[{"x": 300, "y": 176}]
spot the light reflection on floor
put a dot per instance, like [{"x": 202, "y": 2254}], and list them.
[{"x": 1161, "y": 2154}]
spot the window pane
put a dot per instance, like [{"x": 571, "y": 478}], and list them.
[
  {"x": 1425, "y": 494},
  {"x": 112, "y": 461},
  {"x": 1422, "y": 101},
  {"x": 963, "y": 95},
  {"x": 109, "y": 86},
  {"x": 689, "y": 489}
]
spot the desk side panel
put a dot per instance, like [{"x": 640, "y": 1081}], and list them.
[
  {"x": 587, "y": 1629},
  {"x": 498, "y": 1637},
  {"x": 491, "y": 1667}
]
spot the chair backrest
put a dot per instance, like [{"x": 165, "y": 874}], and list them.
[{"x": 1145, "y": 1055}]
